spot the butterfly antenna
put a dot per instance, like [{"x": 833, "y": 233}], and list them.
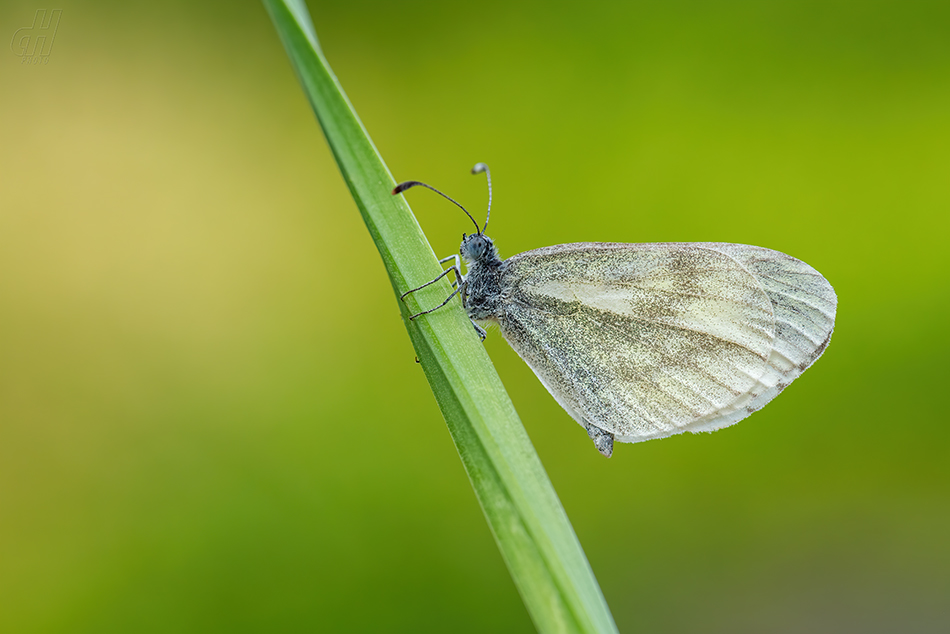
[
  {"x": 401, "y": 187},
  {"x": 478, "y": 169}
]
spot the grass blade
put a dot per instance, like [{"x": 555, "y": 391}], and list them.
[{"x": 530, "y": 527}]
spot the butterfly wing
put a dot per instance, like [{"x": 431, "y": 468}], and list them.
[
  {"x": 649, "y": 340},
  {"x": 804, "y": 305}
]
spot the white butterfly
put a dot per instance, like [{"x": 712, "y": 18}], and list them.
[{"x": 643, "y": 341}]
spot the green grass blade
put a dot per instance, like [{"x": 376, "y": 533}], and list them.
[{"x": 530, "y": 527}]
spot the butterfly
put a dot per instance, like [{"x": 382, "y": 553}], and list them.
[{"x": 644, "y": 341}]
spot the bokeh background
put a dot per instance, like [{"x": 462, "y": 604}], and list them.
[{"x": 210, "y": 415}]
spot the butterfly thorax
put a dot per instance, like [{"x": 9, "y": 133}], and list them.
[{"x": 483, "y": 290}]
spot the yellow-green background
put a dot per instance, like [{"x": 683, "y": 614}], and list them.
[{"x": 210, "y": 415}]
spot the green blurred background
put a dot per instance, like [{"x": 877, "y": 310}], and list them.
[{"x": 210, "y": 415}]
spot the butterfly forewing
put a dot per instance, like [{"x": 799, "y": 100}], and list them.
[
  {"x": 640, "y": 340},
  {"x": 804, "y": 304}
]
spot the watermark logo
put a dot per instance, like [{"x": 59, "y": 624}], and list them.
[{"x": 33, "y": 44}]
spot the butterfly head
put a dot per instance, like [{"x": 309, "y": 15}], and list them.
[{"x": 478, "y": 247}]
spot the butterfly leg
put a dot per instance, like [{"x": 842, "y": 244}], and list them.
[
  {"x": 457, "y": 265},
  {"x": 480, "y": 331},
  {"x": 456, "y": 284},
  {"x": 603, "y": 440}
]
